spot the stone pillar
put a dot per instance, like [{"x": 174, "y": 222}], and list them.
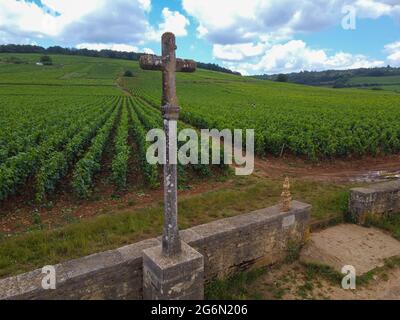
[{"x": 180, "y": 277}]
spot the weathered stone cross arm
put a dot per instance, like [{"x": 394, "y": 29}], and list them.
[{"x": 155, "y": 63}]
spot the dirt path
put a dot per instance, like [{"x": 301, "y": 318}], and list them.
[
  {"x": 296, "y": 282},
  {"x": 125, "y": 91},
  {"x": 365, "y": 170}
]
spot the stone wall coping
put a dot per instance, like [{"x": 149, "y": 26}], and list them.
[
  {"x": 71, "y": 270},
  {"x": 246, "y": 220},
  {"x": 379, "y": 187}
]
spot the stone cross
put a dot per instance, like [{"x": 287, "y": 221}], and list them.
[{"x": 169, "y": 65}]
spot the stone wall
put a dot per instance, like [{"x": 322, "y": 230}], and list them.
[
  {"x": 230, "y": 245},
  {"x": 376, "y": 200}
]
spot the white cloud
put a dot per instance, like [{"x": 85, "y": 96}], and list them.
[
  {"x": 115, "y": 47},
  {"x": 145, "y": 4},
  {"x": 238, "y": 52},
  {"x": 393, "y": 51},
  {"x": 74, "y": 21},
  {"x": 72, "y": 9},
  {"x": 375, "y": 9},
  {"x": 115, "y": 21},
  {"x": 237, "y": 21},
  {"x": 173, "y": 21},
  {"x": 295, "y": 56},
  {"x": 257, "y": 36},
  {"x": 20, "y": 18},
  {"x": 103, "y": 46},
  {"x": 148, "y": 51}
]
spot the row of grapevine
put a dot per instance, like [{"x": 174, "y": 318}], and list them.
[
  {"x": 122, "y": 149},
  {"x": 90, "y": 164},
  {"x": 59, "y": 163},
  {"x": 31, "y": 123},
  {"x": 150, "y": 171},
  {"x": 15, "y": 171},
  {"x": 151, "y": 119}
]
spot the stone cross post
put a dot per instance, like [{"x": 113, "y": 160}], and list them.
[{"x": 168, "y": 64}]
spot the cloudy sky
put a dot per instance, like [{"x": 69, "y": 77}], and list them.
[{"x": 250, "y": 36}]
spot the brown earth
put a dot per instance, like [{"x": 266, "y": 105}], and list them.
[
  {"x": 362, "y": 169},
  {"x": 367, "y": 169},
  {"x": 295, "y": 282}
]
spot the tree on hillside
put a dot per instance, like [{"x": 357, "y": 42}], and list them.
[
  {"x": 282, "y": 78},
  {"x": 128, "y": 73},
  {"x": 46, "y": 60}
]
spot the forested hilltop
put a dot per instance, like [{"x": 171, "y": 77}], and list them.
[
  {"x": 363, "y": 77},
  {"x": 15, "y": 48}
]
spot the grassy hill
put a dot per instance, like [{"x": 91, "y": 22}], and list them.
[{"x": 65, "y": 71}]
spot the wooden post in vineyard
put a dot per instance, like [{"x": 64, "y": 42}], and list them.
[{"x": 168, "y": 266}]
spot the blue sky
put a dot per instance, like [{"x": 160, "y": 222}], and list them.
[
  {"x": 370, "y": 37},
  {"x": 250, "y": 36}
]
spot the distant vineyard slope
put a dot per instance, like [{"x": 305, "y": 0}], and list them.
[{"x": 387, "y": 78}]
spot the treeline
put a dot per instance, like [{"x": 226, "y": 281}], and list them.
[
  {"x": 215, "y": 67},
  {"x": 15, "y": 48},
  {"x": 335, "y": 78}
]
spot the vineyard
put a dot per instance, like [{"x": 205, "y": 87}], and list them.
[
  {"x": 72, "y": 138},
  {"x": 317, "y": 123},
  {"x": 57, "y": 122},
  {"x": 55, "y": 130}
]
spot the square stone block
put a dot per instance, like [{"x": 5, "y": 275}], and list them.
[{"x": 173, "y": 278}]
